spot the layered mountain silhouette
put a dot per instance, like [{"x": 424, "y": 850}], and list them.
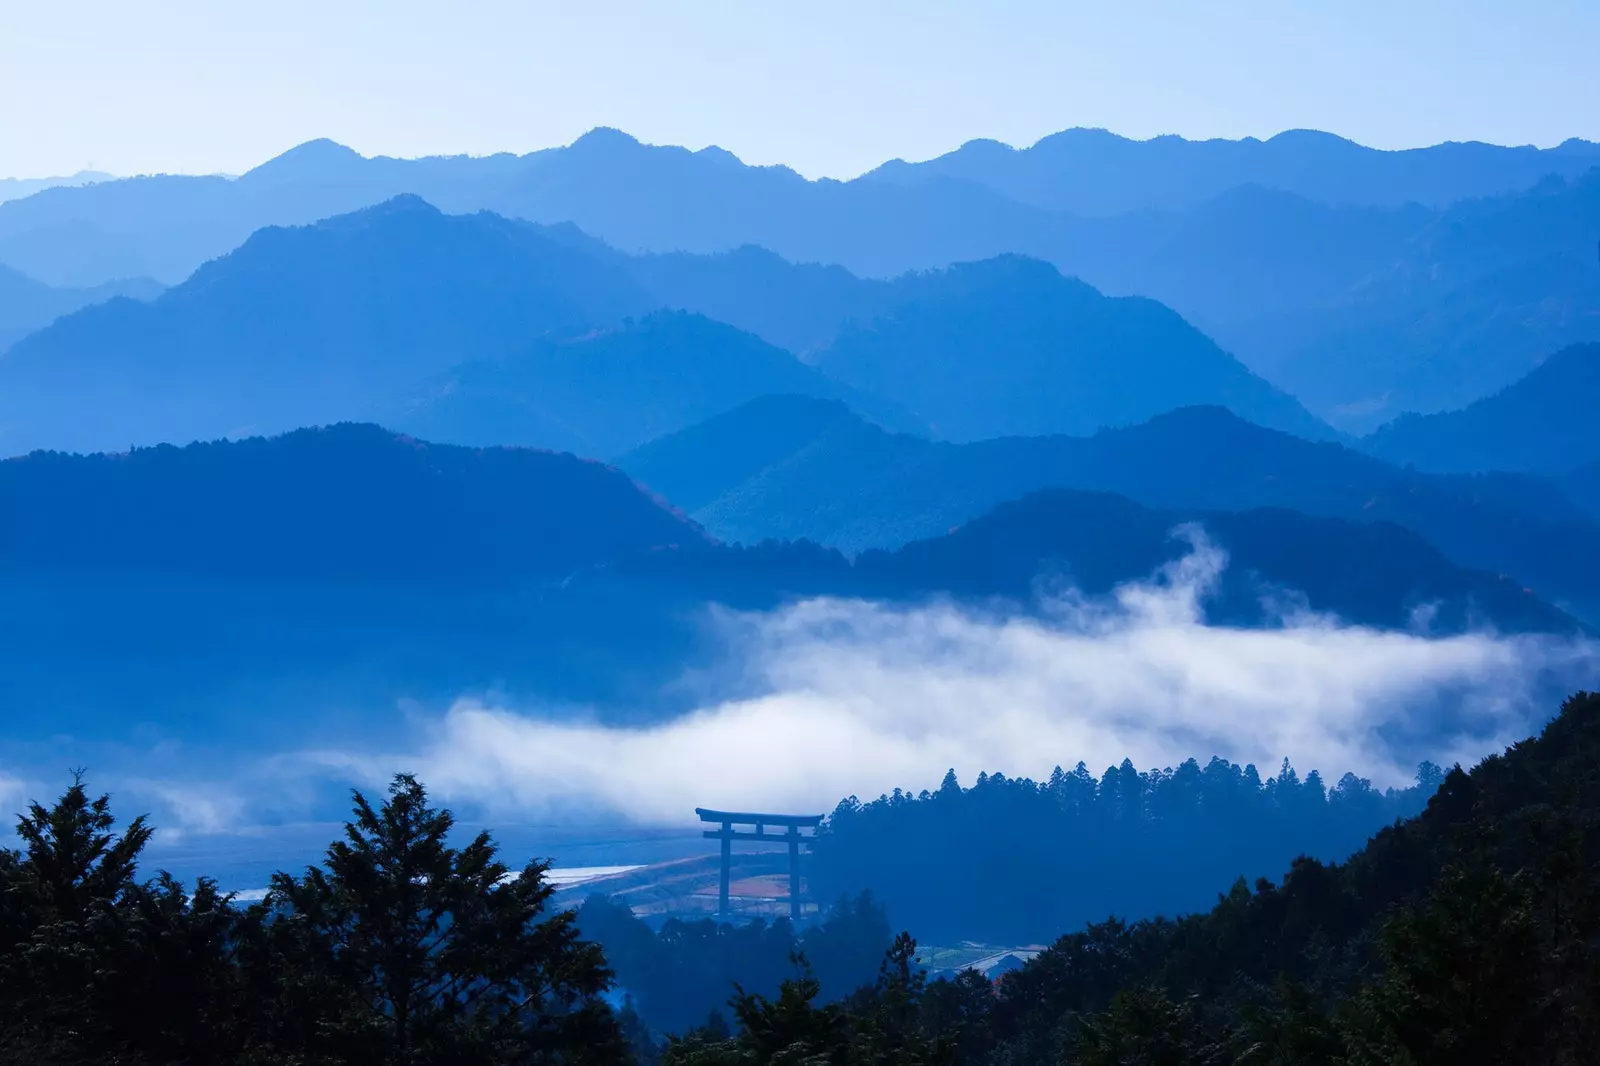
[
  {"x": 983, "y": 199},
  {"x": 294, "y": 589},
  {"x": 1465, "y": 306},
  {"x": 482, "y": 330},
  {"x": 1009, "y": 346},
  {"x": 801, "y": 307},
  {"x": 1364, "y": 283},
  {"x": 609, "y": 390},
  {"x": 637, "y": 197},
  {"x": 345, "y": 503},
  {"x": 1582, "y": 486},
  {"x": 810, "y": 470},
  {"x": 302, "y": 326},
  {"x": 1245, "y": 253},
  {"x": 297, "y": 587},
  {"x": 1540, "y": 423},
  {"x": 17, "y": 188},
  {"x": 1095, "y": 172},
  {"x": 1276, "y": 565},
  {"x": 1376, "y": 573},
  {"x": 27, "y": 305}
]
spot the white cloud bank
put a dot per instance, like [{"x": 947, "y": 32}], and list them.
[{"x": 858, "y": 698}]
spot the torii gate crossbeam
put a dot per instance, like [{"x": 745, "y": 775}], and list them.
[{"x": 791, "y": 824}]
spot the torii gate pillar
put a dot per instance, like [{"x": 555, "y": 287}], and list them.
[{"x": 727, "y": 834}]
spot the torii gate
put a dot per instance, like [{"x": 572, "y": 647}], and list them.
[{"x": 793, "y": 823}]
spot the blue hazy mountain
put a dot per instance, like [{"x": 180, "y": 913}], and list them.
[
  {"x": 302, "y": 326},
  {"x": 17, "y": 188},
  {"x": 608, "y": 390},
  {"x": 1359, "y": 303},
  {"x": 348, "y": 502},
  {"x": 289, "y": 588},
  {"x": 797, "y": 306},
  {"x": 789, "y": 467},
  {"x": 167, "y": 225},
  {"x": 637, "y": 197},
  {"x": 1376, "y": 573},
  {"x": 1095, "y": 172},
  {"x": 27, "y": 305},
  {"x": 1469, "y": 304},
  {"x": 1540, "y": 423},
  {"x": 1373, "y": 571},
  {"x": 482, "y": 330},
  {"x": 292, "y": 590},
  {"x": 1009, "y": 346},
  {"x": 1582, "y": 486},
  {"x": 980, "y": 200},
  {"x": 704, "y": 463},
  {"x": 640, "y": 198},
  {"x": 1248, "y": 251}
]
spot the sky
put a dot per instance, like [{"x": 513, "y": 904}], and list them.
[{"x": 830, "y": 87}]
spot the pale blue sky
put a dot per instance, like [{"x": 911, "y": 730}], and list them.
[{"x": 831, "y": 87}]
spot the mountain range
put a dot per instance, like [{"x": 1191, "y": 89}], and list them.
[
  {"x": 789, "y": 467},
  {"x": 1364, "y": 283},
  {"x": 17, "y": 188},
  {"x": 610, "y": 389},
  {"x": 665, "y": 198},
  {"x": 1470, "y": 302},
  {"x": 1538, "y": 423},
  {"x": 1009, "y": 346},
  {"x": 1096, "y": 172},
  {"x": 297, "y": 587},
  {"x": 480, "y": 329},
  {"x": 972, "y": 380},
  {"x": 27, "y": 305},
  {"x": 348, "y": 503},
  {"x": 302, "y": 326}
]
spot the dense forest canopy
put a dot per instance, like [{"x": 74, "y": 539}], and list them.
[
  {"x": 1465, "y": 934},
  {"x": 1010, "y": 860}
]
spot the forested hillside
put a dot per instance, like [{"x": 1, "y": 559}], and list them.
[{"x": 1465, "y": 933}]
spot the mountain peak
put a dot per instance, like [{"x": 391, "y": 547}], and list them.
[
  {"x": 605, "y": 139},
  {"x": 404, "y": 204},
  {"x": 319, "y": 159},
  {"x": 1308, "y": 137},
  {"x": 1202, "y": 414}
]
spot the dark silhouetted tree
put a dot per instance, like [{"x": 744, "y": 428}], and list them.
[{"x": 404, "y": 949}]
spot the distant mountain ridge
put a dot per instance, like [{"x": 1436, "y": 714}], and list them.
[
  {"x": 1373, "y": 573},
  {"x": 1095, "y": 172},
  {"x": 1541, "y": 423},
  {"x": 17, "y": 188},
  {"x": 355, "y": 503},
  {"x": 344, "y": 503},
  {"x": 303, "y": 326},
  {"x": 1466, "y": 305},
  {"x": 482, "y": 330},
  {"x": 1079, "y": 172},
  {"x": 1303, "y": 255},
  {"x": 298, "y": 589},
  {"x": 27, "y": 305},
  {"x": 824, "y": 475},
  {"x": 611, "y": 389},
  {"x": 1010, "y": 347}
]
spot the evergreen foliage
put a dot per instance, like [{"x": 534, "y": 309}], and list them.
[
  {"x": 1468, "y": 934},
  {"x": 1038, "y": 857},
  {"x": 399, "y": 949}
]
